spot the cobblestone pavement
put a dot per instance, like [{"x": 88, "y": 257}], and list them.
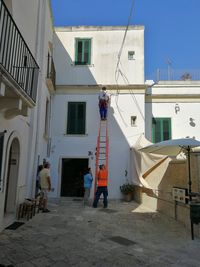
[{"x": 125, "y": 234}]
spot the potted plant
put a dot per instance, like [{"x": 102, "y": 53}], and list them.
[{"x": 127, "y": 190}]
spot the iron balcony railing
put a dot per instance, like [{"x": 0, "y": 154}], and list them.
[
  {"x": 16, "y": 58},
  {"x": 51, "y": 72}
]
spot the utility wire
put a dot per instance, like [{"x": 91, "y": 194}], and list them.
[
  {"x": 119, "y": 71},
  {"x": 123, "y": 41}
]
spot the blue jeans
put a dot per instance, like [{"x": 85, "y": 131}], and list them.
[
  {"x": 103, "y": 112},
  {"x": 100, "y": 190}
]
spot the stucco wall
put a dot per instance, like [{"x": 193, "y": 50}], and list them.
[
  {"x": 33, "y": 18},
  {"x": 106, "y": 44},
  {"x": 176, "y": 100},
  {"x": 121, "y": 134}
]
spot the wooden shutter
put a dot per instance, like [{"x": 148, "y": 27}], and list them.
[
  {"x": 76, "y": 118},
  {"x": 161, "y": 129}
]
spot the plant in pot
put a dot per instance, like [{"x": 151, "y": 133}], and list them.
[{"x": 127, "y": 190}]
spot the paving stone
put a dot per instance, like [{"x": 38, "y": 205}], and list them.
[
  {"x": 25, "y": 264},
  {"x": 42, "y": 262},
  {"x": 71, "y": 235},
  {"x": 61, "y": 264}
]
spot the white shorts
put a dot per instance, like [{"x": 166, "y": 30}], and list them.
[{"x": 44, "y": 193}]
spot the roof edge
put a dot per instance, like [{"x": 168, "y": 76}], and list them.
[{"x": 97, "y": 28}]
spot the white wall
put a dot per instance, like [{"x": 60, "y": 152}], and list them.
[
  {"x": 162, "y": 100},
  {"x": 121, "y": 134},
  {"x": 25, "y": 14},
  {"x": 106, "y": 44},
  {"x": 33, "y": 18},
  {"x": 38, "y": 140}
]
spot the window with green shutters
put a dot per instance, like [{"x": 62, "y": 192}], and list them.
[
  {"x": 161, "y": 129},
  {"x": 82, "y": 51},
  {"x": 76, "y": 118}
]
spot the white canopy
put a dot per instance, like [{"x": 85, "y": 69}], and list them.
[{"x": 142, "y": 162}]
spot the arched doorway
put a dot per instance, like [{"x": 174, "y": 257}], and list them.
[{"x": 12, "y": 177}]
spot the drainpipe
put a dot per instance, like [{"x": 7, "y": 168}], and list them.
[{"x": 35, "y": 118}]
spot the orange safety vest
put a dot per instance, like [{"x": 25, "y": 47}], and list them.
[{"x": 103, "y": 178}]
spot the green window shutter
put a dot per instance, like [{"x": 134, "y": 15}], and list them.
[
  {"x": 76, "y": 118},
  {"x": 156, "y": 131},
  {"x": 82, "y": 51},
  {"x": 87, "y": 51},
  {"x": 71, "y": 118},
  {"x": 161, "y": 129},
  {"x": 76, "y": 51},
  {"x": 166, "y": 129},
  {"x": 81, "y": 118}
]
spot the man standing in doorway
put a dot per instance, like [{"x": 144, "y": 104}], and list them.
[
  {"x": 45, "y": 183},
  {"x": 102, "y": 186}
]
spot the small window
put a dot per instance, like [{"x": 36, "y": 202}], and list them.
[
  {"x": 131, "y": 55},
  {"x": 133, "y": 121},
  {"x": 82, "y": 51},
  {"x": 161, "y": 129},
  {"x": 76, "y": 118}
]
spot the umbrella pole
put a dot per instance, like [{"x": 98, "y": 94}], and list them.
[
  {"x": 190, "y": 196},
  {"x": 189, "y": 175}
]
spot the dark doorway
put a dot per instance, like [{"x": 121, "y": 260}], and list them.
[
  {"x": 72, "y": 177},
  {"x": 12, "y": 177}
]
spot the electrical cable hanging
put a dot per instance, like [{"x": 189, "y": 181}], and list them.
[
  {"x": 118, "y": 71},
  {"x": 123, "y": 41}
]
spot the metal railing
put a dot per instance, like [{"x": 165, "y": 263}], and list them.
[
  {"x": 51, "y": 72},
  {"x": 16, "y": 58},
  {"x": 175, "y": 75}
]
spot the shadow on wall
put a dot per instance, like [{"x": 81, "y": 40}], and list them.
[
  {"x": 119, "y": 155},
  {"x": 67, "y": 73}
]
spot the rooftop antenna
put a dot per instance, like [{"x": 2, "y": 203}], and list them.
[{"x": 169, "y": 68}]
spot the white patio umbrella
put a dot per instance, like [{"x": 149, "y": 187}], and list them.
[{"x": 172, "y": 148}]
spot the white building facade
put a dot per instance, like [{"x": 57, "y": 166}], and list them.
[
  {"x": 40, "y": 120},
  {"x": 26, "y": 34},
  {"x": 86, "y": 58},
  {"x": 172, "y": 110}
]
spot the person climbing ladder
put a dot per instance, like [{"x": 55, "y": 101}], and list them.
[{"x": 103, "y": 103}]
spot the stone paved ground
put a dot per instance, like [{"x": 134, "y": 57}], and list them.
[{"x": 125, "y": 234}]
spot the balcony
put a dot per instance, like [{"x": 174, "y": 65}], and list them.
[
  {"x": 51, "y": 74},
  {"x": 18, "y": 68}
]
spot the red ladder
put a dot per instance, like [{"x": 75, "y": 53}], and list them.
[{"x": 101, "y": 149}]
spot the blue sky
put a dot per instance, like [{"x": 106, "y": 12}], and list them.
[{"x": 172, "y": 27}]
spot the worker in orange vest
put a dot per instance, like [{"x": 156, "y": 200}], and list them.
[{"x": 102, "y": 186}]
